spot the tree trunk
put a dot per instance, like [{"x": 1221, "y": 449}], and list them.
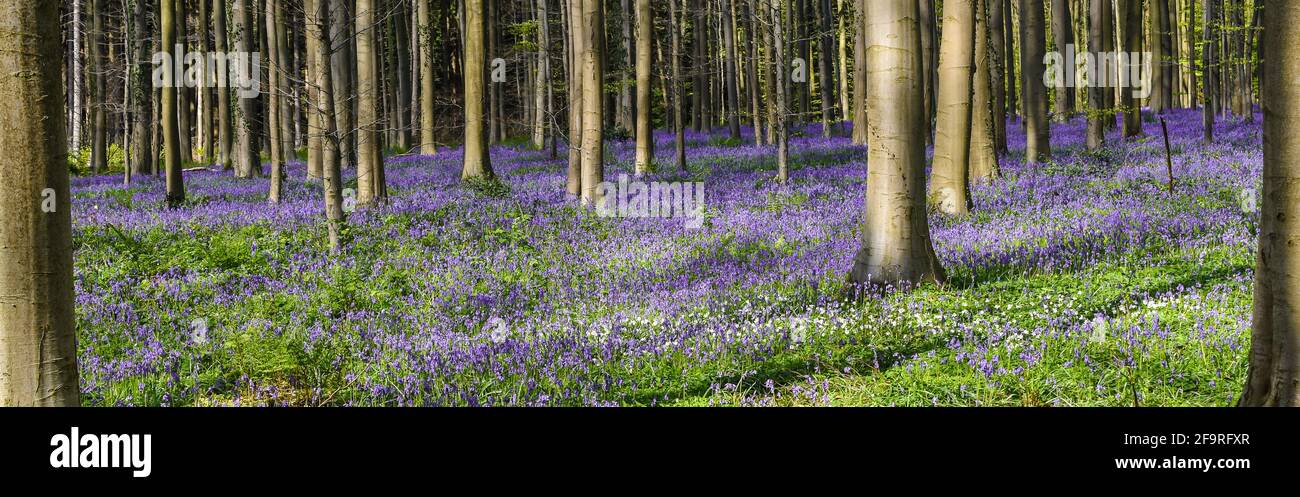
[
  {"x": 99, "y": 124},
  {"x": 1097, "y": 93},
  {"x": 142, "y": 93},
  {"x": 949, "y": 176},
  {"x": 182, "y": 93},
  {"x": 895, "y": 234},
  {"x": 733, "y": 94},
  {"x": 983, "y": 150},
  {"x": 1063, "y": 33},
  {"x": 645, "y": 139},
  {"x": 1208, "y": 54},
  {"x": 1132, "y": 44},
  {"x": 593, "y": 101},
  {"x": 573, "y": 183},
  {"x": 1274, "y": 373},
  {"x": 1033, "y": 48},
  {"x": 860, "y": 73},
  {"x": 542, "y": 83},
  {"x": 318, "y": 27},
  {"x": 249, "y": 163},
  {"x": 477, "y": 162},
  {"x": 340, "y": 59},
  {"x": 927, "y": 16},
  {"x": 679, "y": 125},
  {"x": 370, "y": 187},
  {"x": 38, "y": 339},
  {"x": 224, "y": 134},
  {"x": 998, "y": 59},
  {"x": 428, "y": 139},
  {"x": 751, "y": 72},
  {"x": 826, "y": 80},
  {"x": 171, "y": 136},
  {"x": 275, "y": 90},
  {"x": 778, "y": 66}
]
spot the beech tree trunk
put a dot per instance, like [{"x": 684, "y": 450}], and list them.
[
  {"x": 477, "y": 161},
  {"x": 895, "y": 232},
  {"x": 949, "y": 176},
  {"x": 1274, "y": 372},
  {"x": 1033, "y": 48},
  {"x": 645, "y": 139},
  {"x": 38, "y": 339}
]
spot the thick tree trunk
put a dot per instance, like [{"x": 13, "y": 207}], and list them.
[
  {"x": 477, "y": 162},
  {"x": 318, "y": 27},
  {"x": 370, "y": 186},
  {"x": 949, "y": 176},
  {"x": 225, "y": 136},
  {"x": 998, "y": 59},
  {"x": 341, "y": 60},
  {"x": 895, "y": 233},
  {"x": 1274, "y": 373},
  {"x": 1033, "y": 48},
  {"x": 826, "y": 79},
  {"x": 645, "y": 139},
  {"x": 38, "y": 339}
]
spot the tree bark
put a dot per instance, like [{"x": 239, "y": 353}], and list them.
[
  {"x": 949, "y": 176},
  {"x": 171, "y": 136},
  {"x": 860, "y": 73},
  {"x": 645, "y": 139},
  {"x": 998, "y": 59},
  {"x": 732, "y": 93},
  {"x": 1096, "y": 136},
  {"x": 782, "y": 71},
  {"x": 679, "y": 125},
  {"x": 983, "y": 149},
  {"x": 1063, "y": 33},
  {"x": 895, "y": 234},
  {"x": 142, "y": 92},
  {"x": 1208, "y": 54},
  {"x": 1033, "y": 48},
  {"x": 249, "y": 162},
  {"x": 274, "y": 90},
  {"x": 38, "y": 339},
  {"x": 1132, "y": 44},
  {"x": 477, "y": 161},
  {"x": 593, "y": 101},
  {"x": 1274, "y": 372},
  {"x": 573, "y": 183},
  {"x": 428, "y": 138}
]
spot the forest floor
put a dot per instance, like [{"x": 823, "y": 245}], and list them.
[{"x": 1078, "y": 282}]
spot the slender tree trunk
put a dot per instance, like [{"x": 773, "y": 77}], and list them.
[
  {"x": 1013, "y": 96},
  {"x": 627, "y": 111},
  {"x": 782, "y": 71},
  {"x": 1208, "y": 53},
  {"x": 1132, "y": 44},
  {"x": 860, "y": 73},
  {"x": 542, "y": 85},
  {"x": 142, "y": 96},
  {"x": 573, "y": 183},
  {"x": 477, "y": 162},
  {"x": 318, "y": 27},
  {"x": 593, "y": 101},
  {"x": 895, "y": 234},
  {"x": 1063, "y": 33},
  {"x": 99, "y": 124},
  {"x": 1274, "y": 374},
  {"x": 428, "y": 139},
  {"x": 826, "y": 81},
  {"x": 729, "y": 42},
  {"x": 998, "y": 57},
  {"x": 949, "y": 176},
  {"x": 645, "y": 139},
  {"x": 249, "y": 163},
  {"x": 275, "y": 90},
  {"x": 679, "y": 125},
  {"x": 341, "y": 60},
  {"x": 1033, "y": 48},
  {"x": 927, "y": 16},
  {"x": 369, "y": 158},
  {"x": 38, "y": 339},
  {"x": 75, "y": 73},
  {"x": 171, "y": 135},
  {"x": 207, "y": 132},
  {"x": 983, "y": 149},
  {"x": 224, "y": 128},
  {"x": 1096, "y": 136},
  {"x": 751, "y": 75},
  {"x": 183, "y": 123}
]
